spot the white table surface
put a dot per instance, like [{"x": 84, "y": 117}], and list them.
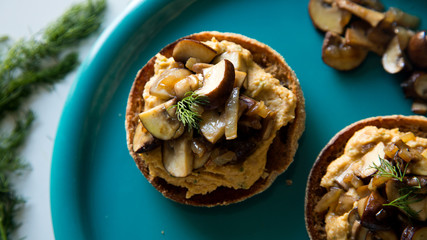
[{"x": 22, "y": 18}]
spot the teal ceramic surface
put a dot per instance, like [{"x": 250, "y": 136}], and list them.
[{"x": 97, "y": 192}]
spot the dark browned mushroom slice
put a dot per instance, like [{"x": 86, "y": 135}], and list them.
[
  {"x": 177, "y": 156},
  {"x": 326, "y": 16},
  {"x": 339, "y": 55},
  {"x": 417, "y": 49},
  {"x": 374, "y": 204},
  {"x": 187, "y": 48},
  {"x": 416, "y": 86},
  {"x": 143, "y": 141},
  {"x": 159, "y": 122},
  {"x": 369, "y": 15},
  {"x": 217, "y": 83}
]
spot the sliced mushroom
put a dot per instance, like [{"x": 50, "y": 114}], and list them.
[
  {"x": 187, "y": 48},
  {"x": 414, "y": 233},
  {"x": 416, "y": 86},
  {"x": 163, "y": 85},
  {"x": 370, "y": 159},
  {"x": 385, "y": 235},
  {"x": 231, "y": 114},
  {"x": 372, "y": 4},
  {"x": 419, "y": 107},
  {"x": 339, "y": 55},
  {"x": 212, "y": 125},
  {"x": 357, "y": 35},
  {"x": 199, "y": 67},
  {"x": 143, "y": 141},
  {"x": 401, "y": 18},
  {"x": 218, "y": 83},
  {"x": 177, "y": 156},
  {"x": 236, "y": 58},
  {"x": 240, "y": 78},
  {"x": 160, "y": 123},
  {"x": 417, "y": 49},
  {"x": 329, "y": 200},
  {"x": 190, "y": 83},
  {"x": 374, "y": 204},
  {"x": 371, "y": 16},
  {"x": 394, "y": 60},
  {"x": 326, "y": 16}
]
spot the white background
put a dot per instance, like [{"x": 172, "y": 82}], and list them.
[{"x": 21, "y": 19}]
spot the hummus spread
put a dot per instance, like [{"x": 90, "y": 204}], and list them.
[
  {"x": 261, "y": 86},
  {"x": 360, "y": 155}
]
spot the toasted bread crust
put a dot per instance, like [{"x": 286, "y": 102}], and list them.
[
  {"x": 314, "y": 221},
  {"x": 281, "y": 152}
]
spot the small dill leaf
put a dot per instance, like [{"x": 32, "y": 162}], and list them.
[
  {"x": 186, "y": 109},
  {"x": 386, "y": 169}
]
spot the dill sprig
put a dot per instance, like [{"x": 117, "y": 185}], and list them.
[
  {"x": 386, "y": 169},
  {"x": 403, "y": 202},
  {"x": 26, "y": 64},
  {"x": 41, "y": 59},
  {"x": 10, "y": 164},
  {"x": 186, "y": 109}
]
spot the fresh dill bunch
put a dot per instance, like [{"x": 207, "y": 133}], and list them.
[
  {"x": 386, "y": 169},
  {"x": 11, "y": 164},
  {"x": 41, "y": 59},
  {"x": 26, "y": 64},
  {"x": 186, "y": 109}
]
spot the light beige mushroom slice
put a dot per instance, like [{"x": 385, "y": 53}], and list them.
[
  {"x": 143, "y": 141},
  {"x": 370, "y": 159},
  {"x": 339, "y": 55},
  {"x": 159, "y": 122},
  {"x": 178, "y": 157},
  {"x": 240, "y": 78},
  {"x": 236, "y": 58},
  {"x": 371, "y": 16},
  {"x": 212, "y": 125},
  {"x": 188, "y": 48},
  {"x": 326, "y": 16},
  {"x": 393, "y": 59},
  {"x": 217, "y": 83},
  {"x": 163, "y": 85}
]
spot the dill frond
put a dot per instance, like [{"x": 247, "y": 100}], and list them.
[
  {"x": 386, "y": 169},
  {"x": 186, "y": 111}
]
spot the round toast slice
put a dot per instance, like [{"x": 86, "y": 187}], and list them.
[
  {"x": 315, "y": 223},
  {"x": 281, "y": 151}
]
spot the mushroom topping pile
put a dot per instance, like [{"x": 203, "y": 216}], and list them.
[
  {"x": 355, "y": 27},
  {"x": 382, "y": 194},
  {"x": 199, "y": 113}
]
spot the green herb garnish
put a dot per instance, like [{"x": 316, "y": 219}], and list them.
[
  {"x": 403, "y": 202},
  {"x": 10, "y": 164},
  {"x": 407, "y": 194},
  {"x": 386, "y": 169},
  {"x": 186, "y": 109},
  {"x": 26, "y": 64},
  {"x": 41, "y": 59}
]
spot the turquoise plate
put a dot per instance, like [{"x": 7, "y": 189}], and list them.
[{"x": 97, "y": 192}]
